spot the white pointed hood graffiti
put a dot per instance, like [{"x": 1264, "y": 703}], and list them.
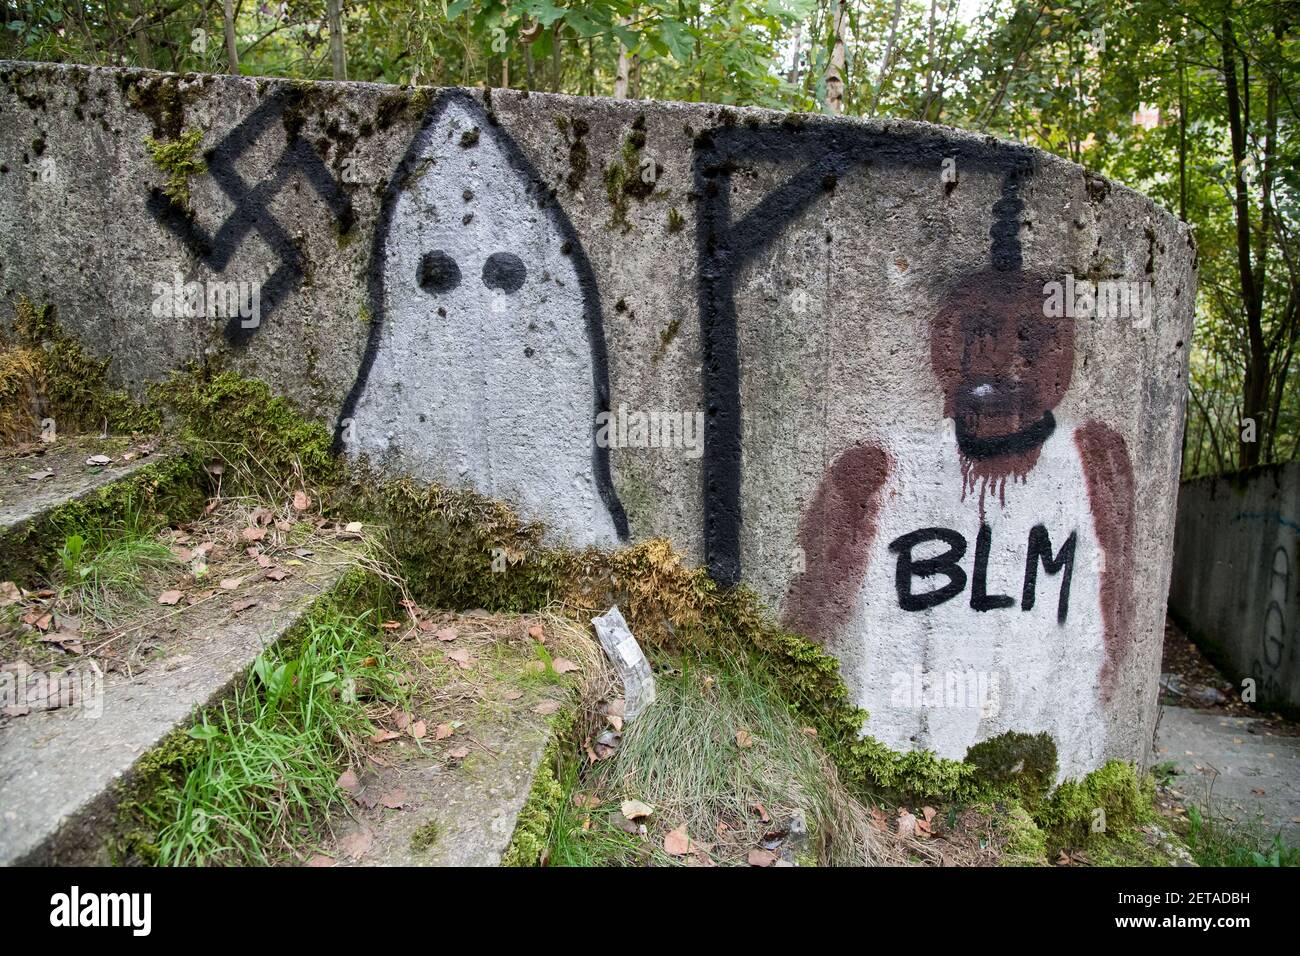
[{"x": 485, "y": 365}]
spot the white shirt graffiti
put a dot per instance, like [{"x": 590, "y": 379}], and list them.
[{"x": 948, "y": 676}]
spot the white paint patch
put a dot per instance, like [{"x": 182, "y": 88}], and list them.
[
  {"x": 490, "y": 387},
  {"x": 981, "y": 673}
]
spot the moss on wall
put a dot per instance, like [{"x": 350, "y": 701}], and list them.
[
  {"x": 179, "y": 161},
  {"x": 53, "y": 376}
]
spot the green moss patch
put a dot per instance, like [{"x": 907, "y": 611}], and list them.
[
  {"x": 179, "y": 160},
  {"x": 49, "y": 374}
]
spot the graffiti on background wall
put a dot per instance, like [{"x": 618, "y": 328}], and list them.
[
  {"x": 1266, "y": 665},
  {"x": 997, "y": 539},
  {"x": 252, "y": 213},
  {"x": 485, "y": 362}
]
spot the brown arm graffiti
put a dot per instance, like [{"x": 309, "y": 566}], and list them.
[
  {"x": 1112, "y": 500},
  {"x": 836, "y": 533}
]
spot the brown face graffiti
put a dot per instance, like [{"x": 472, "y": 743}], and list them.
[{"x": 1003, "y": 366}]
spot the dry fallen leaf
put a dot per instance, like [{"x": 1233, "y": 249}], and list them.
[
  {"x": 384, "y": 736},
  {"x": 301, "y": 502},
  {"x": 99, "y": 460},
  {"x": 353, "y": 527},
  {"x": 762, "y": 813},
  {"x": 169, "y": 597},
  {"x": 446, "y": 634},
  {"x": 537, "y": 633},
  {"x": 355, "y": 845},
  {"x": 743, "y": 740},
  {"x": 243, "y": 605},
  {"x": 10, "y": 593},
  {"x": 394, "y": 799},
  {"x": 462, "y": 657},
  {"x": 348, "y": 781},
  {"x": 563, "y": 665},
  {"x": 677, "y": 843},
  {"x": 229, "y": 584},
  {"x": 762, "y": 858},
  {"x": 253, "y": 534},
  {"x": 320, "y": 859},
  {"x": 513, "y": 694},
  {"x": 419, "y": 729},
  {"x": 459, "y": 753},
  {"x": 636, "y": 810},
  {"x": 546, "y": 708},
  {"x": 276, "y": 574}
]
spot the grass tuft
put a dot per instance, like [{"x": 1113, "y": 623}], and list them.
[{"x": 270, "y": 758}]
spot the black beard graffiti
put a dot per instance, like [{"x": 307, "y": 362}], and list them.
[{"x": 1017, "y": 443}]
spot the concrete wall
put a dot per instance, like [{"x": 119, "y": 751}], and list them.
[
  {"x": 1236, "y": 576},
  {"x": 504, "y": 290}
]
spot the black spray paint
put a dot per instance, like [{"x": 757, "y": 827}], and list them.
[
  {"x": 724, "y": 247},
  {"x": 502, "y": 270},
  {"x": 252, "y": 207}
]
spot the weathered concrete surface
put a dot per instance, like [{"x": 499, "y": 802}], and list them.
[
  {"x": 466, "y": 808},
  {"x": 59, "y": 769},
  {"x": 856, "y": 314},
  {"x": 1235, "y": 576},
  {"x": 33, "y": 485},
  {"x": 1234, "y": 767}
]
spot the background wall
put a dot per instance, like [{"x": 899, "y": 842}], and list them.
[
  {"x": 826, "y": 295},
  {"x": 1236, "y": 580}
]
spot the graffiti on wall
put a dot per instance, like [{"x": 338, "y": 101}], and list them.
[
  {"x": 1266, "y": 665},
  {"x": 996, "y": 542},
  {"x": 251, "y": 212},
  {"x": 485, "y": 362},
  {"x": 997, "y": 539}
]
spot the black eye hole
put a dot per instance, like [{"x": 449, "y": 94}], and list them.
[
  {"x": 437, "y": 272},
  {"x": 504, "y": 271}
]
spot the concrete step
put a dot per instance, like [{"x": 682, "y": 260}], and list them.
[
  {"x": 60, "y": 769},
  {"x": 472, "y": 797},
  {"x": 37, "y": 481},
  {"x": 1244, "y": 769}
]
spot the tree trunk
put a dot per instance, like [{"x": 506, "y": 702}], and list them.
[
  {"x": 622, "y": 74},
  {"x": 1255, "y": 387},
  {"x": 835, "y": 69},
  {"x": 889, "y": 55},
  {"x": 338, "y": 54},
  {"x": 143, "y": 51},
  {"x": 793, "y": 75},
  {"x": 228, "y": 24}
]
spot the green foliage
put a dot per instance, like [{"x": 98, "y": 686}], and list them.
[
  {"x": 534, "y": 822},
  {"x": 1023, "y": 765},
  {"x": 168, "y": 490},
  {"x": 1216, "y": 842},
  {"x": 179, "y": 161},
  {"x": 1108, "y": 804},
  {"x": 262, "y": 440},
  {"x": 1024, "y": 844},
  {"x": 73, "y": 386},
  {"x": 258, "y": 772}
]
